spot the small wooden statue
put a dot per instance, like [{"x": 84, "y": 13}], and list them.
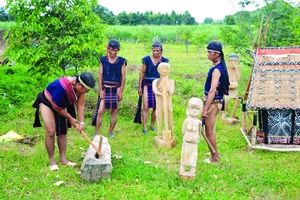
[
  {"x": 234, "y": 72},
  {"x": 191, "y": 130},
  {"x": 163, "y": 89}
]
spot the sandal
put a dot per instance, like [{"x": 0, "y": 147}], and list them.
[
  {"x": 70, "y": 164},
  {"x": 153, "y": 128},
  {"x": 54, "y": 168}
]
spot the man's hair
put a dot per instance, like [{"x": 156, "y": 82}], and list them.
[
  {"x": 216, "y": 46},
  {"x": 156, "y": 44},
  {"x": 88, "y": 79},
  {"x": 114, "y": 44}
]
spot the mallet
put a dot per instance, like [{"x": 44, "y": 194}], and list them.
[
  {"x": 99, "y": 147},
  {"x": 98, "y": 152}
]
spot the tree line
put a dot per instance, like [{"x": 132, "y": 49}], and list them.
[
  {"x": 71, "y": 34},
  {"x": 132, "y": 19}
]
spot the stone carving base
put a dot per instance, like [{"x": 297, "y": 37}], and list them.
[
  {"x": 93, "y": 169},
  {"x": 160, "y": 142}
]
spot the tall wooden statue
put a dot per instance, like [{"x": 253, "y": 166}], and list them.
[
  {"x": 234, "y": 72},
  {"x": 191, "y": 129},
  {"x": 163, "y": 89}
]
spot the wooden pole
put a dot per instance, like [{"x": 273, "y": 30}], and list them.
[
  {"x": 253, "y": 141},
  {"x": 244, "y": 116}
]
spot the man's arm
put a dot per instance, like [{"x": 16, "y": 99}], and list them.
[
  {"x": 100, "y": 79},
  {"x": 211, "y": 94},
  {"x": 142, "y": 75},
  {"x": 80, "y": 110},
  {"x": 123, "y": 79}
]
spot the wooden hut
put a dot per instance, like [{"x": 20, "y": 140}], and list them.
[{"x": 271, "y": 112}]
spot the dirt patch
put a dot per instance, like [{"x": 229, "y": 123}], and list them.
[{"x": 28, "y": 140}]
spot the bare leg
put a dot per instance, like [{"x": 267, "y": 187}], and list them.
[
  {"x": 50, "y": 146},
  {"x": 62, "y": 146},
  {"x": 153, "y": 117},
  {"x": 210, "y": 122},
  {"x": 113, "y": 120},
  {"x": 49, "y": 122},
  {"x": 99, "y": 117},
  {"x": 145, "y": 108}
]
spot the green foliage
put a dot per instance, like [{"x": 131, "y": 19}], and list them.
[
  {"x": 3, "y": 15},
  {"x": 166, "y": 34},
  {"x": 206, "y": 34},
  {"x": 208, "y": 20},
  {"x": 145, "y": 37},
  {"x": 236, "y": 37},
  {"x": 105, "y": 15},
  {"x": 17, "y": 88},
  {"x": 280, "y": 25},
  {"x": 50, "y": 35},
  {"x": 185, "y": 35},
  {"x": 266, "y": 27},
  {"x": 296, "y": 31},
  {"x": 134, "y": 19},
  {"x": 6, "y": 25},
  {"x": 229, "y": 20}
]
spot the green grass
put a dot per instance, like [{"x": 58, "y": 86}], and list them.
[
  {"x": 241, "y": 174},
  {"x": 6, "y": 25}
]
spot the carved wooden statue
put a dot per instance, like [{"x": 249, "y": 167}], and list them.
[
  {"x": 191, "y": 130},
  {"x": 163, "y": 89},
  {"x": 234, "y": 72}
]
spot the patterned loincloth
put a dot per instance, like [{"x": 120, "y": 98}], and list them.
[
  {"x": 151, "y": 97},
  {"x": 110, "y": 102}
]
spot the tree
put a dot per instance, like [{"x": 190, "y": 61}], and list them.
[
  {"x": 3, "y": 15},
  {"x": 229, "y": 20},
  {"x": 280, "y": 25},
  {"x": 187, "y": 19},
  {"x": 185, "y": 35},
  {"x": 51, "y": 34},
  {"x": 145, "y": 37},
  {"x": 123, "y": 18},
  {"x": 268, "y": 26},
  {"x": 107, "y": 16},
  {"x": 208, "y": 20}
]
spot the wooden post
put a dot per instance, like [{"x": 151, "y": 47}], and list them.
[
  {"x": 254, "y": 129},
  {"x": 244, "y": 116}
]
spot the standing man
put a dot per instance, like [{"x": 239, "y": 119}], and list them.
[
  {"x": 148, "y": 74},
  {"x": 111, "y": 79},
  {"x": 216, "y": 86}
]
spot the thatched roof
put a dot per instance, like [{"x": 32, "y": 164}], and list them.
[{"x": 275, "y": 81}]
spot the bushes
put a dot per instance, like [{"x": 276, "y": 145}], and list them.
[{"x": 18, "y": 88}]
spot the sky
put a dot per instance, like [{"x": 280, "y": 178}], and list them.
[{"x": 215, "y": 9}]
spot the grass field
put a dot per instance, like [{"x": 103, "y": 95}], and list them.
[{"x": 241, "y": 174}]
